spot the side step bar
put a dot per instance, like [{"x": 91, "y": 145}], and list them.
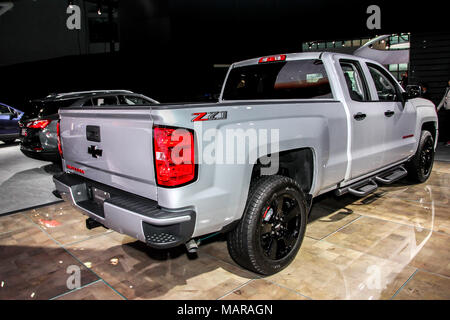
[
  {"x": 91, "y": 224},
  {"x": 364, "y": 190},
  {"x": 359, "y": 189},
  {"x": 369, "y": 185},
  {"x": 392, "y": 176}
]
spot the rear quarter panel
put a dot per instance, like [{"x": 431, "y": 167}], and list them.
[{"x": 220, "y": 192}]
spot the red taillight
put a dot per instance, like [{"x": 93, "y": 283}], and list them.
[
  {"x": 58, "y": 135},
  {"x": 280, "y": 57},
  {"x": 174, "y": 156},
  {"x": 38, "y": 124}
]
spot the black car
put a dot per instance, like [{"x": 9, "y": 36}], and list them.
[{"x": 39, "y": 124}]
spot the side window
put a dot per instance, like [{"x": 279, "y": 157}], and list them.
[
  {"x": 87, "y": 103},
  {"x": 104, "y": 101},
  {"x": 4, "y": 110},
  {"x": 354, "y": 79},
  {"x": 133, "y": 100},
  {"x": 386, "y": 88}
]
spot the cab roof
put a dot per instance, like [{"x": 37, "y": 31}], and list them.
[
  {"x": 295, "y": 56},
  {"x": 82, "y": 94}
]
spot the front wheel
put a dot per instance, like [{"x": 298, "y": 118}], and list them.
[
  {"x": 272, "y": 228},
  {"x": 421, "y": 164}
]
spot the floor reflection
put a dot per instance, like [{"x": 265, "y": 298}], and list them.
[{"x": 391, "y": 244}]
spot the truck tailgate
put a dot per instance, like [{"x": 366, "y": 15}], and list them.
[{"x": 112, "y": 146}]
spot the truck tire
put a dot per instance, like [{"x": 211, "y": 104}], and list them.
[
  {"x": 272, "y": 228},
  {"x": 421, "y": 164}
]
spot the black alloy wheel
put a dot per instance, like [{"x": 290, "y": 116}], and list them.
[
  {"x": 426, "y": 157},
  {"x": 272, "y": 227},
  {"x": 421, "y": 164},
  {"x": 280, "y": 226}
]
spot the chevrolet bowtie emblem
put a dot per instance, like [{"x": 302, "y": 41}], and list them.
[{"x": 95, "y": 152}]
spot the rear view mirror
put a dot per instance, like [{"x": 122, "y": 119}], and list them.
[{"x": 413, "y": 91}]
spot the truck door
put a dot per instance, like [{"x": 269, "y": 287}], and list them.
[
  {"x": 367, "y": 122},
  {"x": 399, "y": 117}
]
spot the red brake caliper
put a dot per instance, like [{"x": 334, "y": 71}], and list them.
[{"x": 267, "y": 214}]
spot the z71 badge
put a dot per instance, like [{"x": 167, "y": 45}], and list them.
[{"x": 205, "y": 116}]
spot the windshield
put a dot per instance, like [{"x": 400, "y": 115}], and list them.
[{"x": 298, "y": 79}]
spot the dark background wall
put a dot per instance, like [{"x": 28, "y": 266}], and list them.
[
  {"x": 168, "y": 48},
  {"x": 430, "y": 61},
  {"x": 36, "y": 30}
]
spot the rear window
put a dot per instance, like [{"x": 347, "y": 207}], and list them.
[
  {"x": 299, "y": 79},
  {"x": 41, "y": 109},
  {"x": 102, "y": 101},
  {"x": 133, "y": 100}
]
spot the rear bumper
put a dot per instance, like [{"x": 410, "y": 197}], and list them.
[
  {"x": 41, "y": 155},
  {"x": 9, "y": 136},
  {"x": 126, "y": 213}
]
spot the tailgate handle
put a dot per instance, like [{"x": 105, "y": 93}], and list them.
[{"x": 93, "y": 133}]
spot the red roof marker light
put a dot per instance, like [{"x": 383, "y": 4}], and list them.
[{"x": 280, "y": 57}]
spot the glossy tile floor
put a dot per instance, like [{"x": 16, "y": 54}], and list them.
[
  {"x": 24, "y": 182},
  {"x": 393, "y": 244}
]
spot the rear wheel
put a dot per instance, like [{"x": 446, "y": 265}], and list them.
[
  {"x": 421, "y": 165},
  {"x": 272, "y": 228}
]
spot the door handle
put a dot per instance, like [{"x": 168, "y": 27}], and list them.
[
  {"x": 359, "y": 116},
  {"x": 389, "y": 113}
]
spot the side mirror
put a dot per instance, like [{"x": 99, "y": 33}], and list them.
[
  {"x": 12, "y": 116},
  {"x": 412, "y": 91}
]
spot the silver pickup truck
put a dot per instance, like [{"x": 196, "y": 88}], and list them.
[{"x": 286, "y": 129}]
